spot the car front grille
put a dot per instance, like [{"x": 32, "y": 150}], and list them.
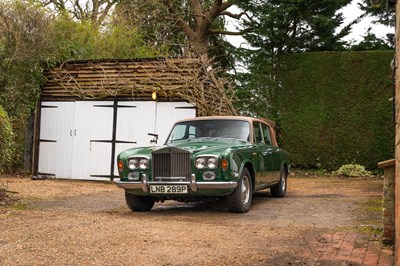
[{"x": 171, "y": 165}]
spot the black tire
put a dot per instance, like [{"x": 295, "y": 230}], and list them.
[
  {"x": 139, "y": 203},
  {"x": 279, "y": 191},
  {"x": 240, "y": 200}
]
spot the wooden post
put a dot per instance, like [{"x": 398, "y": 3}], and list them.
[
  {"x": 397, "y": 139},
  {"x": 36, "y": 142}
]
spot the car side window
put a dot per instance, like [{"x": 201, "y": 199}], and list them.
[
  {"x": 257, "y": 133},
  {"x": 266, "y": 134}
]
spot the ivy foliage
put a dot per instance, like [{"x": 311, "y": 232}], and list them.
[
  {"x": 6, "y": 142},
  {"x": 333, "y": 108},
  {"x": 32, "y": 39},
  {"x": 75, "y": 40}
]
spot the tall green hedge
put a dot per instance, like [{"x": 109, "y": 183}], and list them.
[{"x": 333, "y": 108}]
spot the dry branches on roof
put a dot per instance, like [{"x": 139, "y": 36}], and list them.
[{"x": 190, "y": 79}]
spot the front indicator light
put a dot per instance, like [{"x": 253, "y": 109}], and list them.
[
  {"x": 120, "y": 165},
  {"x": 224, "y": 164}
]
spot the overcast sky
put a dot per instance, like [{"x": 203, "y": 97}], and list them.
[{"x": 351, "y": 12}]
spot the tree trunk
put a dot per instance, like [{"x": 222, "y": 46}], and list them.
[{"x": 200, "y": 45}]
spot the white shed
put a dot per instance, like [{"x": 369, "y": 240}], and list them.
[
  {"x": 81, "y": 139},
  {"x": 91, "y": 110}
]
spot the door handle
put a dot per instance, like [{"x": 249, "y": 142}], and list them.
[{"x": 70, "y": 132}]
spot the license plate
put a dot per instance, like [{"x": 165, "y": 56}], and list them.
[{"x": 169, "y": 189}]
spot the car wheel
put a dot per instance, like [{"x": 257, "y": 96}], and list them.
[
  {"x": 240, "y": 200},
  {"x": 279, "y": 191},
  {"x": 139, "y": 203}
]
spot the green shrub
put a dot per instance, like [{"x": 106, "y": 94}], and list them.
[
  {"x": 352, "y": 170},
  {"x": 6, "y": 142}
]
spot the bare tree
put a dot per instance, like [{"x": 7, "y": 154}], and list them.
[
  {"x": 198, "y": 23},
  {"x": 95, "y": 11}
]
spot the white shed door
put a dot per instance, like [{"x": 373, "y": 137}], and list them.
[
  {"x": 56, "y": 142},
  {"x": 91, "y": 157},
  {"x": 135, "y": 121}
]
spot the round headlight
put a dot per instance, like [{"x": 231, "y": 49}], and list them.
[
  {"x": 143, "y": 163},
  {"x": 133, "y": 164},
  {"x": 212, "y": 163},
  {"x": 200, "y": 163}
]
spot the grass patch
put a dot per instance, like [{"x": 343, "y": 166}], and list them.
[
  {"x": 368, "y": 229},
  {"x": 374, "y": 205},
  {"x": 9, "y": 198},
  {"x": 19, "y": 206}
]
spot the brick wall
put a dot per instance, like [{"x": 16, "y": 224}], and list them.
[{"x": 388, "y": 217}]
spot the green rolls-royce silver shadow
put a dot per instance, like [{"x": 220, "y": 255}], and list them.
[{"x": 206, "y": 158}]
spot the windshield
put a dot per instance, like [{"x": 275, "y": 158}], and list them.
[{"x": 216, "y": 128}]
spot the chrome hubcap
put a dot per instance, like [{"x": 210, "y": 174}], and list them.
[
  {"x": 283, "y": 181},
  {"x": 245, "y": 190}
]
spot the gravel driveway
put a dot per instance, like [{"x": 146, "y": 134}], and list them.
[{"x": 87, "y": 223}]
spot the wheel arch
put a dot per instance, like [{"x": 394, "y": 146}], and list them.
[
  {"x": 252, "y": 171},
  {"x": 285, "y": 166}
]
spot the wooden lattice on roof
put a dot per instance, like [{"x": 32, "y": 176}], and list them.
[{"x": 190, "y": 79}]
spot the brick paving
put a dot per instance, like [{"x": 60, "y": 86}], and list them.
[{"x": 351, "y": 248}]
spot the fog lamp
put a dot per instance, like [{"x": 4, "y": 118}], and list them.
[
  {"x": 208, "y": 175},
  {"x": 133, "y": 176}
]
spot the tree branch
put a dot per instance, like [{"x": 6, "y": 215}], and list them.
[
  {"x": 235, "y": 16},
  {"x": 110, "y": 4},
  {"x": 184, "y": 26},
  {"x": 226, "y": 32},
  {"x": 78, "y": 11},
  {"x": 197, "y": 11},
  {"x": 225, "y": 6}
]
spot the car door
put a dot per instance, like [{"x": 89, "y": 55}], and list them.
[
  {"x": 264, "y": 155},
  {"x": 272, "y": 153}
]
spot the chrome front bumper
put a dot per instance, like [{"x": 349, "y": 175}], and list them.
[{"x": 193, "y": 184}]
